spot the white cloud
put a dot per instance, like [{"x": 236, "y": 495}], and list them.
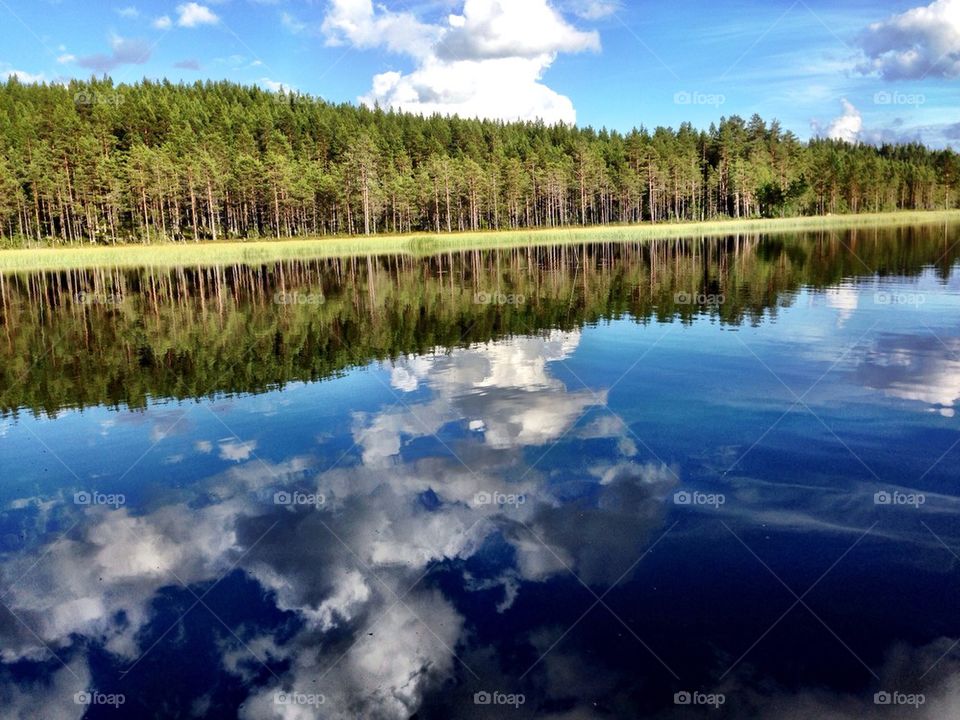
[
  {"x": 128, "y": 12},
  {"x": 111, "y": 569},
  {"x": 237, "y": 451},
  {"x": 486, "y": 61},
  {"x": 275, "y": 85},
  {"x": 915, "y": 369},
  {"x": 66, "y": 58},
  {"x": 355, "y": 22},
  {"x": 192, "y": 14},
  {"x": 22, "y": 75},
  {"x": 531, "y": 29},
  {"x": 921, "y": 42},
  {"x": 846, "y": 126},
  {"x": 503, "y": 387},
  {"x": 22, "y": 700},
  {"x": 163, "y": 22}
]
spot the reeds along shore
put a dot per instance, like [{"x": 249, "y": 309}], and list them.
[{"x": 266, "y": 251}]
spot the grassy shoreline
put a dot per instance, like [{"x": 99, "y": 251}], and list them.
[{"x": 421, "y": 244}]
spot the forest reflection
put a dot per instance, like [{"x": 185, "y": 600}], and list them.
[{"x": 120, "y": 337}]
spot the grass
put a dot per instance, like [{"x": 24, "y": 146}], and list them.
[{"x": 265, "y": 251}]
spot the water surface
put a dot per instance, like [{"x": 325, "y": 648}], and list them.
[{"x": 580, "y": 482}]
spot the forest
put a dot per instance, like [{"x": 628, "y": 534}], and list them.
[{"x": 97, "y": 163}]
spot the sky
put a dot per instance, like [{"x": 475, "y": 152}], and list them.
[{"x": 862, "y": 71}]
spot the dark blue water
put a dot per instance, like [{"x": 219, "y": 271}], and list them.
[{"x": 618, "y": 520}]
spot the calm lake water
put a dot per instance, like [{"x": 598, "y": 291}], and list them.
[{"x": 705, "y": 478}]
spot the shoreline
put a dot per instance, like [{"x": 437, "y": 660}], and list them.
[{"x": 207, "y": 253}]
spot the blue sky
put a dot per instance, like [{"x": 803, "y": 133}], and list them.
[{"x": 859, "y": 70}]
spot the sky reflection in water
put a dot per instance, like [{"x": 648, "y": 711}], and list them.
[{"x": 596, "y": 518}]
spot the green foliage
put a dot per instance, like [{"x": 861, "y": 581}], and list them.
[{"x": 92, "y": 163}]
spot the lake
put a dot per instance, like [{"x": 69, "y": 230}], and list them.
[{"x": 666, "y": 479}]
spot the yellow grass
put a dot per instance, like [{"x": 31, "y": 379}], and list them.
[{"x": 421, "y": 244}]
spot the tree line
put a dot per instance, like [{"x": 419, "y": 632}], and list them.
[{"x": 97, "y": 163}]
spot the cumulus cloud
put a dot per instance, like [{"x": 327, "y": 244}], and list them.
[
  {"x": 503, "y": 390},
  {"x": 336, "y": 570},
  {"x": 486, "y": 61},
  {"x": 495, "y": 29},
  {"x": 357, "y": 23},
  {"x": 921, "y": 42},
  {"x": 236, "y": 451},
  {"x": 22, "y": 701},
  {"x": 124, "y": 51},
  {"x": 850, "y": 126},
  {"x": 915, "y": 368},
  {"x": 846, "y": 126},
  {"x": 110, "y": 571},
  {"x": 21, "y": 75},
  {"x": 193, "y": 14},
  {"x": 163, "y": 22},
  {"x": 274, "y": 85}
]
